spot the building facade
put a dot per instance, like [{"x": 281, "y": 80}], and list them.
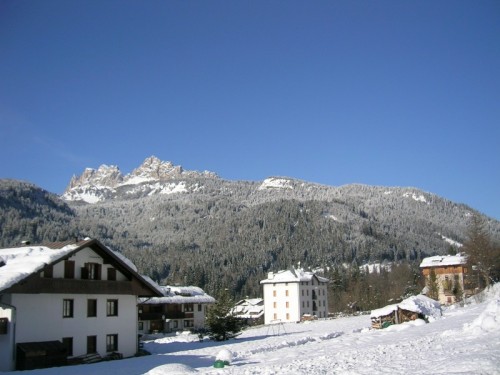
[
  {"x": 294, "y": 295},
  {"x": 450, "y": 274},
  {"x": 81, "y": 295},
  {"x": 180, "y": 308}
]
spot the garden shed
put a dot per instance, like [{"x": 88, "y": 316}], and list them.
[{"x": 412, "y": 308}]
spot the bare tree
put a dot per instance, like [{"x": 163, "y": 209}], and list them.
[{"x": 483, "y": 255}]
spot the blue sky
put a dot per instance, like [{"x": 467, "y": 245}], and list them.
[{"x": 391, "y": 93}]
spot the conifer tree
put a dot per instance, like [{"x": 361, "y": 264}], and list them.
[
  {"x": 222, "y": 323},
  {"x": 433, "y": 286}
]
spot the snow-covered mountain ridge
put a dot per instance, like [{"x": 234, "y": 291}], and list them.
[
  {"x": 153, "y": 176},
  {"x": 156, "y": 177}
]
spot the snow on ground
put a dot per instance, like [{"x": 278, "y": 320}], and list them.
[{"x": 465, "y": 340}]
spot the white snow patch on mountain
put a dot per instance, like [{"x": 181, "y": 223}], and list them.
[
  {"x": 376, "y": 267},
  {"x": 418, "y": 198},
  {"x": 333, "y": 217},
  {"x": 450, "y": 241},
  {"x": 276, "y": 183}
]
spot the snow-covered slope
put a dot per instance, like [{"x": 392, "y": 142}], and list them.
[{"x": 465, "y": 340}]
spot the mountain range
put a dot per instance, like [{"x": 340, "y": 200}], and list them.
[{"x": 196, "y": 228}]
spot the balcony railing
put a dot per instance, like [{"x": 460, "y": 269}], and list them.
[
  {"x": 162, "y": 315},
  {"x": 60, "y": 285}
]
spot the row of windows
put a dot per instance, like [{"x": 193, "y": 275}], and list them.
[
  {"x": 319, "y": 292},
  {"x": 275, "y": 316},
  {"x": 319, "y": 304},
  {"x": 275, "y": 293},
  {"x": 111, "y": 308},
  {"x": 90, "y": 271},
  {"x": 287, "y": 304},
  {"x": 111, "y": 344}
]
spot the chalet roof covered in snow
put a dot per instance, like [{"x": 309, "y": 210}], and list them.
[
  {"x": 292, "y": 276},
  {"x": 179, "y": 294},
  {"x": 16, "y": 264},
  {"x": 444, "y": 260},
  {"x": 419, "y": 304},
  {"x": 20, "y": 262},
  {"x": 249, "y": 308}
]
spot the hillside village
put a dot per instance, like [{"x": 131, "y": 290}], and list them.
[{"x": 96, "y": 307}]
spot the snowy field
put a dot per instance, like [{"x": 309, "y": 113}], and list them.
[{"x": 465, "y": 340}]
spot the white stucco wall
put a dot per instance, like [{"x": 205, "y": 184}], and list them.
[
  {"x": 275, "y": 302},
  {"x": 40, "y": 318},
  {"x": 299, "y": 303}
]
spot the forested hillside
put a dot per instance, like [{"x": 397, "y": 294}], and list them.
[
  {"x": 229, "y": 234},
  {"x": 28, "y": 213}
]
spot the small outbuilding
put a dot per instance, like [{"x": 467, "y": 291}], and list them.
[
  {"x": 412, "y": 308},
  {"x": 250, "y": 311}
]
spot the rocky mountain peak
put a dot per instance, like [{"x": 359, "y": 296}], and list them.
[
  {"x": 105, "y": 175},
  {"x": 153, "y": 176},
  {"x": 154, "y": 169}
]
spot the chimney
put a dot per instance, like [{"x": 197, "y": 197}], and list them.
[
  {"x": 26, "y": 242},
  {"x": 270, "y": 275}
]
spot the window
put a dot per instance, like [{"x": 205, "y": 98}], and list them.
[
  {"x": 68, "y": 343},
  {"x": 48, "y": 272},
  {"x": 111, "y": 274},
  {"x": 274, "y": 304},
  {"x": 287, "y": 305},
  {"x": 199, "y": 307},
  {"x": 91, "y": 271},
  {"x": 91, "y": 344},
  {"x": 286, "y": 292},
  {"x": 188, "y": 323},
  {"x": 112, "y": 307},
  {"x": 67, "y": 308},
  {"x": 4, "y": 322},
  {"x": 140, "y": 326},
  {"x": 112, "y": 343},
  {"x": 274, "y": 293},
  {"x": 287, "y": 316},
  {"x": 188, "y": 307},
  {"x": 91, "y": 308},
  {"x": 275, "y": 316},
  {"x": 69, "y": 269}
]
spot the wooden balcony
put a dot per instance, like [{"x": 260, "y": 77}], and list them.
[{"x": 78, "y": 286}]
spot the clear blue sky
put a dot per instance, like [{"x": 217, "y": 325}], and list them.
[{"x": 392, "y": 93}]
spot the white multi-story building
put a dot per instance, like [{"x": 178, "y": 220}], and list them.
[
  {"x": 294, "y": 295},
  {"x": 67, "y": 300}
]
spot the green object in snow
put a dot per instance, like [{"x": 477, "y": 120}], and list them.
[{"x": 219, "y": 364}]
